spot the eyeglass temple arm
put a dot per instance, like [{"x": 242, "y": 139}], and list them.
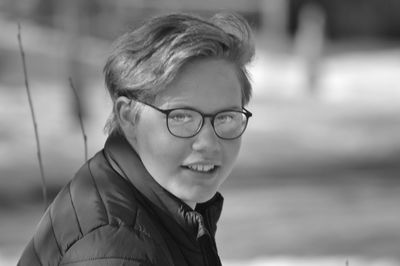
[{"x": 249, "y": 114}]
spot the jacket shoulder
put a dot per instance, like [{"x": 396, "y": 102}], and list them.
[
  {"x": 95, "y": 214},
  {"x": 115, "y": 245},
  {"x": 100, "y": 196},
  {"x": 120, "y": 230}
]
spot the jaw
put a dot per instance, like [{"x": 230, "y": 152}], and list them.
[{"x": 194, "y": 186}]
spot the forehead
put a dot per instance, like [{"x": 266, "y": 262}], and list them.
[{"x": 206, "y": 84}]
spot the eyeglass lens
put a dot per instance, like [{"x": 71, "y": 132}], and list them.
[{"x": 187, "y": 123}]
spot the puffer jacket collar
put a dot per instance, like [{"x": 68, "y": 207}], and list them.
[{"x": 185, "y": 224}]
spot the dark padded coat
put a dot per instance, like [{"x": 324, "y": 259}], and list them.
[{"x": 114, "y": 213}]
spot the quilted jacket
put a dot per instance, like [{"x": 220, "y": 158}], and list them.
[{"x": 114, "y": 213}]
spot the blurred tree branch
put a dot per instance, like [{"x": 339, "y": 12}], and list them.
[
  {"x": 39, "y": 155},
  {"x": 80, "y": 117}
]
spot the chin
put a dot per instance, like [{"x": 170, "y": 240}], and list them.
[{"x": 198, "y": 196}]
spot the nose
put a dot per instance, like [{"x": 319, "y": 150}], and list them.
[{"x": 206, "y": 140}]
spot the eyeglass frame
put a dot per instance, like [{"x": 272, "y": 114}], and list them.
[{"x": 166, "y": 112}]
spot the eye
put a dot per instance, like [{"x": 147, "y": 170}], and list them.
[
  {"x": 225, "y": 117},
  {"x": 180, "y": 116}
]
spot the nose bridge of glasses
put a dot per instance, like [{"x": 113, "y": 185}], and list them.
[
  {"x": 204, "y": 123},
  {"x": 211, "y": 118}
]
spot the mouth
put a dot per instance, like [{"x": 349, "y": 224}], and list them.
[{"x": 202, "y": 168}]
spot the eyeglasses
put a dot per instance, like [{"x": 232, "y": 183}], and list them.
[{"x": 187, "y": 122}]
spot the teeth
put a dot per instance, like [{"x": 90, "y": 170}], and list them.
[{"x": 201, "y": 167}]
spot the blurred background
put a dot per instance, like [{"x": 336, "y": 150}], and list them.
[{"x": 317, "y": 181}]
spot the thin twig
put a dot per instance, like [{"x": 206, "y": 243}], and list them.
[
  {"x": 80, "y": 117},
  {"x": 28, "y": 91}
]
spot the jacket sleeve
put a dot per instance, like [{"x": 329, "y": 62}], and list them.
[
  {"x": 112, "y": 245},
  {"x": 29, "y": 256},
  {"x": 107, "y": 262}
]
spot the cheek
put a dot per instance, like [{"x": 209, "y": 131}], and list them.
[
  {"x": 231, "y": 151},
  {"x": 158, "y": 149}
]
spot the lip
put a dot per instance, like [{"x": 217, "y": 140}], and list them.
[
  {"x": 201, "y": 164},
  {"x": 199, "y": 175}
]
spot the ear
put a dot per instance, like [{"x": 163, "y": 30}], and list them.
[{"x": 123, "y": 111}]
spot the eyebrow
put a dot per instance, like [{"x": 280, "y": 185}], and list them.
[{"x": 233, "y": 107}]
